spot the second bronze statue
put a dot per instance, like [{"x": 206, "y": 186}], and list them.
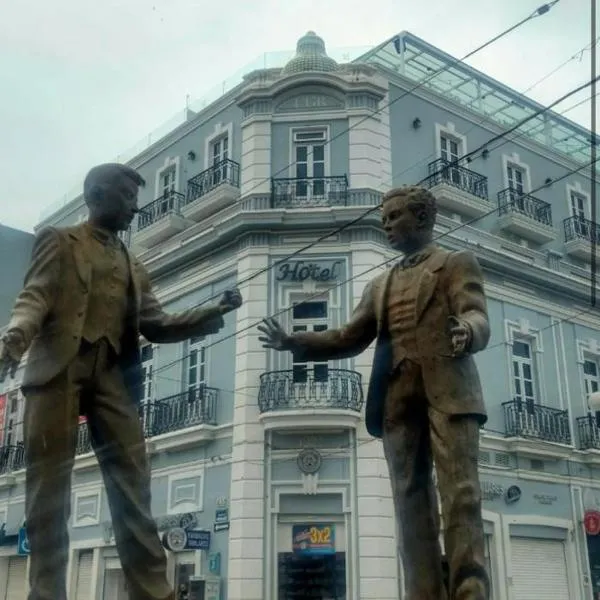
[
  {"x": 85, "y": 302},
  {"x": 428, "y": 316}
]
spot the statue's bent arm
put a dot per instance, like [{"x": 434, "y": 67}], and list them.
[
  {"x": 38, "y": 295},
  {"x": 467, "y": 298},
  {"x": 158, "y": 326},
  {"x": 345, "y": 342}
]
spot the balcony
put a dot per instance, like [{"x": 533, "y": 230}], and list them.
[
  {"x": 193, "y": 413},
  {"x": 309, "y": 192},
  {"x": 579, "y": 235},
  {"x": 588, "y": 430},
  {"x": 315, "y": 398},
  {"x": 160, "y": 219},
  {"x": 525, "y": 216},
  {"x": 457, "y": 189},
  {"x": 212, "y": 190},
  {"x": 536, "y": 422}
]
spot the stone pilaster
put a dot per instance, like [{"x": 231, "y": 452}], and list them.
[
  {"x": 246, "y": 534},
  {"x": 370, "y": 150},
  {"x": 256, "y": 157},
  {"x": 376, "y": 522}
]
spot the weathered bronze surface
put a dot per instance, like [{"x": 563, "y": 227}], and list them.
[
  {"x": 428, "y": 316},
  {"x": 85, "y": 302}
]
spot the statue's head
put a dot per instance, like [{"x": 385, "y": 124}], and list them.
[
  {"x": 111, "y": 192},
  {"x": 408, "y": 217}
]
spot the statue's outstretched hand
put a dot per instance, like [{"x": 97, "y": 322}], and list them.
[
  {"x": 460, "y": 334},
  {"x": 12, "y": 348},
  {"x": 274, "y": 336}
]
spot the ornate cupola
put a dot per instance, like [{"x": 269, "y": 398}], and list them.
[{"x": 310, "y": 56}]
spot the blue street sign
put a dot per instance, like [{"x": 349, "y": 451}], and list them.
[
  {"x": 198, "y": 540},
  {"x": 23, "y": 542},
  {"x": 222, "y": 516}
]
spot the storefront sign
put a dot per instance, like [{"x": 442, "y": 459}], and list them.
[
  {"x": 300, "y": 271},
  {"x": 313, "y": 539},
  {"x": 591, "y": 522},
  {"x": 491, "y": 491},
  {"x": 545, "y": 498}
]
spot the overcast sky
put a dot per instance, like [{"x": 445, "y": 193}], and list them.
[{"x": 81, "y": 82}]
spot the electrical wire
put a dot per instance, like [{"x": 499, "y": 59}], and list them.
[
  {"x": 537, "y": 13},
  {"x": 359, "y": 275},
  {"x": 372, "y": 209}
]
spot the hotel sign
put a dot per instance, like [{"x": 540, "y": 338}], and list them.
[{"x": 300, "y": 271}]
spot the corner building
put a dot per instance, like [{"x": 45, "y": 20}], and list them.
[{"x": 266, "y": 461}]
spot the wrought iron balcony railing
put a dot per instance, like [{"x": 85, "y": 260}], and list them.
[
  {"x": 12, "y": 458},
  {"x": 578, "y": 228},
  {"x": 197, "y": 406},
  {"x": 444, "y": 171},
  {"x": 529, "y": 420},
  {"x": 170, "y": 202},
  {"x": 226, "y": 171},
  {"x": 294, "y": 192},
  {"x": 512, "y": 201},
  {"x": 316, "y": 388},
  {"x": 588, "y": 432}
]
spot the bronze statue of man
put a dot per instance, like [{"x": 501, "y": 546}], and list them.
[
  {"x": 85, "y": 302},
  {"x": 428, "y": 314}
]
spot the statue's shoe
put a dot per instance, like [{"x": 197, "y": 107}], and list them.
[{"x": 471, "y": 589}]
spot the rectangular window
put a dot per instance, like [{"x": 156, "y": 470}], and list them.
[
  {"x": 13, "y": 432},
  {"x": 523, "y": 374},
  {"x": 516, "y": 179},
  {"x": 309, "y": 159},
  {"x": 219, "y": 155},
  {"x": 591, "y": 380},
  {"x": 579, "y": 210},
  {"x": 147, "y": 352},
  {"x": 310, "y": 316},
  {"x": 450, "y": 152},
  {"x": 196, "y": 368},
  {"x": 167, "y": 183}
]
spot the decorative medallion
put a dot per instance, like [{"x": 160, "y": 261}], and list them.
[
  {"x": 309, "y": 460},
  {"x": 175, "y": 539}
]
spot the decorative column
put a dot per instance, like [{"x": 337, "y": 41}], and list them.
[
  {"x": 370, "y": 149},
  {"x": 378, "y": 558},
  {"x": 255, "y": 174},
  {"x": 247, "y": 495}
]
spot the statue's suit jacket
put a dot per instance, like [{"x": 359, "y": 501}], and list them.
[
  {"x": 51, "y": 309},
  {"x": 451, "y": 284}
]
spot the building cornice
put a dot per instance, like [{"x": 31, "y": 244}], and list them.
[
  {"x": 262, "y": 89},
  {"x": 223, "y": 230}
]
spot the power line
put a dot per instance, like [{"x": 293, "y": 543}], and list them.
[
  {"x": 537, "y": 13},
  {"x": 447, "y": 167},
  {"x": 369, "y": 270}
]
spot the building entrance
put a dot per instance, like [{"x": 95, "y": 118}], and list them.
[{"x": 303, "y": 577}]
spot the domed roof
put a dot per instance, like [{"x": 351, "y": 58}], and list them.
[{"x": 310, "y": 56}]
